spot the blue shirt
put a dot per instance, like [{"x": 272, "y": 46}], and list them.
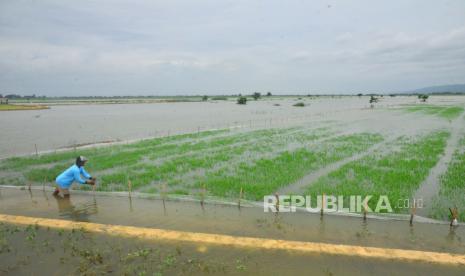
[{"x": 73, "y": 173}]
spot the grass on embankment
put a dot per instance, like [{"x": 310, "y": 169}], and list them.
[
  {"x": 12, "y": 107},
  {"x": 446, "y": 112},
  {"x": 397, "y": 174},
  {"x": 452, "y": 187}
]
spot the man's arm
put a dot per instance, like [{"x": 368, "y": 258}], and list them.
[
  {"x": 85, "y": 174},
  {"x": 77, "y": 177}
]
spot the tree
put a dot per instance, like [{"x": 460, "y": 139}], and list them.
[
  {"x": 205, "y": 98},
  {"x": 373, "y": 100},
  {"x": 423, "y": 97},
  {"x": 268, "y": 94},
  {"x": 256, "y": 95},
  {"x": 242, "y": 100},
  {"x": 359, "y": 94}
]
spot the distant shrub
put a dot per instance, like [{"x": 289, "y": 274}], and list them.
[
  {"x": 256, "y": 95},
  {"x": 242, "y": 100},
  {"x": 423, "y": 98},
  {"x": 299, "y": 104},
  {"x": 373, "y": 100},
  {"x": 205, "y": 98},
  {"x": 268, "y": 94}
]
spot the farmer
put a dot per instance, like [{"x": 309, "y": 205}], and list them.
[{"x": 73, "y": 173}]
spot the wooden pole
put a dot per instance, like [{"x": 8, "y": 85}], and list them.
[
  {"x": 277, "y": 202},
  {"x": 239, "y": 201},
  {"x": 322, "y": 204},
  {"x": 37, "y": 152},
  {"x": 163, "y": 190},
  {"x": 412, "y": 213},
  {"x": 455, "y": 214},
  {"x": 129, "y": 187},
  {"x": 202, "y": 195}
]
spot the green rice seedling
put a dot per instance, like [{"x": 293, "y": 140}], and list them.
[
  {"x": 397, "y": 174},
  {"x": 267, "y": 175},
  {"x": 446, "y": 112},
  {"x": 452, "y": 187}
]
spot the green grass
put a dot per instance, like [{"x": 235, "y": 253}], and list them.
[
  {"x": 11, "y": 107},
  {"x": 452, "y": 187},
  {"x": 397, "y": 174},
  {"x": 446, "y": 112}
]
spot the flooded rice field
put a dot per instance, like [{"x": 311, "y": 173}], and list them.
[
  {"x": 400, "y": 147},
  {"x": 70, "y": 125},
  {"x": 81, "y": 252}
]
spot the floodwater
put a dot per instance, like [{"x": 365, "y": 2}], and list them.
[
  {"x": 70, "y": 125},
  {"x": 231, "y": 220},
  {"x": 223, "y": 219}
]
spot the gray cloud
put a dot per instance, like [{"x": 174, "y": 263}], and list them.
[{"x": 179, "y": 47}]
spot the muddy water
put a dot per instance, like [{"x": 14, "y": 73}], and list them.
[
  {"x": 65, "y": 126},
  {"x": 225, "y": 219},
  {"x": 65, "y": 253}
]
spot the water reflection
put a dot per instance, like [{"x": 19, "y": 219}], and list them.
[{"x": 81, "y": 212}]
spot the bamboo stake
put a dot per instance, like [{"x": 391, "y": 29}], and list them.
[
  {"x": 202, "y": 195},
  {"x": 29, "y": 186},
  {"x": 37, "y": 152},
  {"x": 129, "y": 187},
  {"x": 412, "y": 213},
  {"x": 322, "y": 204},
  {"x": 163, "y": 190},
  {"x": 455, "y": 214},
  {"x": 239, "y": 201},
  {"x": 277, "y": 202}
]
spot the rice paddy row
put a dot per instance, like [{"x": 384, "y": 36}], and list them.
[
  {"x": 221, "y": 161},
  {"x": 452, "y": 187},
  {"x": 397, "y": 174},
  {"x": 446, "y": 112}
]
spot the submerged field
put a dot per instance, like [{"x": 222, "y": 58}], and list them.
[
  {"x": 12, "y": 107},
  {"x": 452, "y": 187},
  {"x": 446, "y": 112},
  {"x": 362, "y": 151}
]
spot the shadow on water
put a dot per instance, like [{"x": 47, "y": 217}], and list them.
[{"x": 81, "y": 212}]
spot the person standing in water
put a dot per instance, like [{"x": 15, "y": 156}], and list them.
[{"x": 73, "y": 173}]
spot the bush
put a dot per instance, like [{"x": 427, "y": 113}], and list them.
[
  {"x": 205, "y": 98},
  {"x": 256, "y": 95},
  {"x": 423, "y": 98},
  {"x": 242, "y": 100},
  {"x": 300, "y": 104}
]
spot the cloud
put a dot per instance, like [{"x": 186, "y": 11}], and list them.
[{"x": 119, "y": 47}]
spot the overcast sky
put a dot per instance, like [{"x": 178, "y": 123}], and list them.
[{"x": 170, "y": 47}]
